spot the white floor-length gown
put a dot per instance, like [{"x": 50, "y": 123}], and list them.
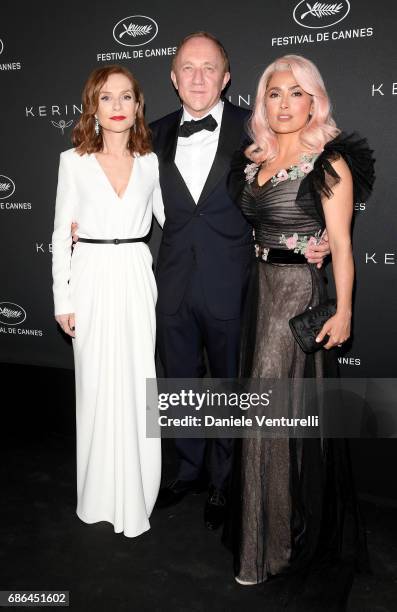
[{"x": 112, "y": 291}]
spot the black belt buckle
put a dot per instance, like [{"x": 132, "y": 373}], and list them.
[{"x": 116, "y": 241}]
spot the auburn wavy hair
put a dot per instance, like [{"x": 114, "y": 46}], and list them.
[
  {"x": 84, "y": 138},
  {"x": 321, "y": 127}
]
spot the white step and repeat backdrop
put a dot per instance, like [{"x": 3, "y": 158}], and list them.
[{"x": 47, "y": 51}]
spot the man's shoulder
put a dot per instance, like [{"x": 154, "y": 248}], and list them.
[
  {"x": 236, "y": 112},
  {"x": 168, "y": 120},
  {"x": 165, "y": 121}
]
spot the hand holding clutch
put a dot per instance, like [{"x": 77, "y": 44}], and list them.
[
  {"x": 336, "y": 329},
  {"x": 307, "y": 326}
]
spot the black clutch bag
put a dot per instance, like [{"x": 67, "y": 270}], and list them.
[{"x": 307, "y": 325}]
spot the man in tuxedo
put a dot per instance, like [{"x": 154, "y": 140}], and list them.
[
  {"x": 205, "y": 251},
  {"x": 204, "y": 255}
]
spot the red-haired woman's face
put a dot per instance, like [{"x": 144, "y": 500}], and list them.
[
  {"x": 117, "y": 106},
  {"x": 287, "y": 105}
]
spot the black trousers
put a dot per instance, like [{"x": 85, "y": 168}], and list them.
[{"x": 181, "y": 339}]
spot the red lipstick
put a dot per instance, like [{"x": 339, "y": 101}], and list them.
[{"x": 118, "y": 118}]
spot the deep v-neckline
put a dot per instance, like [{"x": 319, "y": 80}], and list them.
[
  {"x": 286, "y": 169},
  {"x": 304, "y": 158},
  {"x": 120, "y": 198}
]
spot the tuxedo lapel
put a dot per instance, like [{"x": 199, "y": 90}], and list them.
[
  {"x": 170, "y": 139},
  {"x": 171, "y": 173},
  {"x": 229, "y": 141}
]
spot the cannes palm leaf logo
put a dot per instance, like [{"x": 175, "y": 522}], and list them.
[
  {"x": 319, "y": 9},
  {"x": 135, "y": 30},
  {"x": 10, "y": 314},
  {"x": 7, "y": 187}
]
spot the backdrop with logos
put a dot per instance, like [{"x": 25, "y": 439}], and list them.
[{"x": 46, "y": 53}]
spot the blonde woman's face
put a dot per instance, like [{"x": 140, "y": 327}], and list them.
[
  {"x": 117, "y": 107},
  {"x": 288, "y": 106}
]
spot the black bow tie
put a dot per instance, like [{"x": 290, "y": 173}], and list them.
[{"x": 191, "y": 127}]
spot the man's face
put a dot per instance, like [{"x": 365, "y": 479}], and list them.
[{"x": 199, "y": 75}]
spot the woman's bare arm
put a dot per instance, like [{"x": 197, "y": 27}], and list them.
[{"x": 338, "y": 212}]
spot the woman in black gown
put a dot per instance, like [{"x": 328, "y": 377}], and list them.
[{"x": 293, "y": 504}]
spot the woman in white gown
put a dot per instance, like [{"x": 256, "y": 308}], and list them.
[{"x": 105, "y": 298}]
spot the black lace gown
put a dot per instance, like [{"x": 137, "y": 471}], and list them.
[{"x": 293, "y": 502}]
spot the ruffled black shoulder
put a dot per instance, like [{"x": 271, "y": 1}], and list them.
[{"x": 358, "y": 156}]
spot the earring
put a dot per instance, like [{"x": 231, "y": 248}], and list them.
[{"x": 96, "y": 128}]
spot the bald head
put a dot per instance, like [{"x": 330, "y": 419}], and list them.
[
  {"x": 205, "y": 36},
  {"x": 199, "y": 74}
]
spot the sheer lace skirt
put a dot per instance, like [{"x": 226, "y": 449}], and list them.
[{"x": 270, "y": 468}]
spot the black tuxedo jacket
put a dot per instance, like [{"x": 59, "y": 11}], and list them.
[{"x": 212, "y": 236}]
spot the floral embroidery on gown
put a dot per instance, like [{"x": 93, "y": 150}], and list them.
[{"x": 293, "y": 501}]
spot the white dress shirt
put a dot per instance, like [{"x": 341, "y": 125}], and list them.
[{"x": 195, "y": 154}]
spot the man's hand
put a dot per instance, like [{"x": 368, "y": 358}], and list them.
[
  {"x": 254, "y": 153},
  {"x": 73, "y": 229},
  {"x": 316, "y": 253},
  {"x": 67, "y": 322}
]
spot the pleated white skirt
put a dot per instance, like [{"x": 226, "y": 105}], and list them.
[{"x": 118, "y": 468}]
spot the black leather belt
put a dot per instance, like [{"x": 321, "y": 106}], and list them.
[
  {"x": 115, "y": 240},
  {"x": 282, "y": 256}
]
